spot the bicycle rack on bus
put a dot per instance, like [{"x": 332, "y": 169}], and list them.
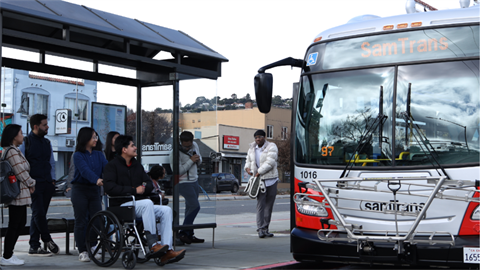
[{"x": 355, "y": 232}]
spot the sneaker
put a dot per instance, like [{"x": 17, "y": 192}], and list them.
[
  {"x": 53, "y": 247},
  {"x": 83, "y": 257},
  {"x": 12, "y": 261},
  {"x": 97, "y": 256},
  {"x": 197, "y": 240},
  {"x": 267, "y": 233},
  {"x": 172, "y": 257},
  {"x": 39, "y": 252}
]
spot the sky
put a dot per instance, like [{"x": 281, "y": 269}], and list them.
[{"x": 250, "y": 33}]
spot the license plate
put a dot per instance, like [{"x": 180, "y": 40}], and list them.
[{"x": 471, "y": 255}]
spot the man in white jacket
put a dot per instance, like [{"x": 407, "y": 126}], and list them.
[
  {"x": 188, "y": 183},
  {"x": 262, "y": 161}
]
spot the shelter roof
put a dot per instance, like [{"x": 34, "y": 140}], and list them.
[{"x": 79, "y": 32}]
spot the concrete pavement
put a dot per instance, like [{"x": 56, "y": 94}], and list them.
[{"x": 237, "y": 246}]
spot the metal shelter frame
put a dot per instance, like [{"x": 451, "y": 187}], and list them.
[{"x": 77, "y": 32}]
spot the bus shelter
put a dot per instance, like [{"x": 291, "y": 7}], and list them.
[{"x": 78, "y": 32}]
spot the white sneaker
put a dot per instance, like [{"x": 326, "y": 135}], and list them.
[
  {"x": 12, "y": 261},
  {"x": 83, "y": 257},
  {"x": 98, "y": 256}
]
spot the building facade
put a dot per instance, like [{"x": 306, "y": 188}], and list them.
[
  {"x": 24, "y": 94},
  {"x": 229, "y": 133}
]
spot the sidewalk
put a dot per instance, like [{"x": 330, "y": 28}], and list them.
[{"x": 237, "y": 245}]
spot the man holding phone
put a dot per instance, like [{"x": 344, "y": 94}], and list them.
[{"x": 189, "y": 159}]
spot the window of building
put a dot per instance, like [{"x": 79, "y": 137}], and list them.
[
  {"x": 193, "y": 121},
  {"x": 34, "y": 103},
  {"x": 284, "y": 133},
  {"x": 82, "y": 106},
  {"x": 269, "y": 132}
]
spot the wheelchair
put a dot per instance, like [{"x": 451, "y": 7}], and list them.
[{"x": 115, "y": 231}]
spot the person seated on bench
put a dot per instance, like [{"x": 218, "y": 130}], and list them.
[
  {"x": 125, "y": 176},
  {"x": 156, "y": 173}
]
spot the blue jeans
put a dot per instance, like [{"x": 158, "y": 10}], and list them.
[{"x": 190, "y": 192}]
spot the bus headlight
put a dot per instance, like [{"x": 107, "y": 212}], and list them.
[
  {"x": 311, "y": 207},
  {"x": 476, "y": 213}
]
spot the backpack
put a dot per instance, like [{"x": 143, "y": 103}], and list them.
[{"x": 8, "y": 191}]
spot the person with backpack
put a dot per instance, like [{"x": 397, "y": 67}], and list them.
[
  {"x": 12, "y": 137},
  {"x": 39, "y": 153}
]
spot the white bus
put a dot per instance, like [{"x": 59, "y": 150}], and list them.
[{"x": 385, "y": 140}]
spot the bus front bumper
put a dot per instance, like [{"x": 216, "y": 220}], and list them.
[{"x": 306, "y": 246}]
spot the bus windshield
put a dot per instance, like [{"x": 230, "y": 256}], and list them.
[{"x": 429, "y": 109}]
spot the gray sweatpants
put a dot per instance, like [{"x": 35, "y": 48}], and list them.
[{"x": 265, "y": 202}]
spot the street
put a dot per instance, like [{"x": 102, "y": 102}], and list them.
[{"x": 218, "y": 207}]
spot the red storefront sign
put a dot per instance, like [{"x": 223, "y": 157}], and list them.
[{"x": 231, "y": 142}]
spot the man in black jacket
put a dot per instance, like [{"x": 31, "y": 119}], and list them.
[
  {"x": 123, "y": 176},
  {"x": 38, "y": 152}
]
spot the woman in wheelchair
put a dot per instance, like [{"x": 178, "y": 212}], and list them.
[
  {"x": 86, "y": 198},
  {"x": 125, "y": 176}
]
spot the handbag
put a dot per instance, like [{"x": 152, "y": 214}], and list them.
[
  {"x": 254, "y": 185},
  {"x": 9, "y": 186}
]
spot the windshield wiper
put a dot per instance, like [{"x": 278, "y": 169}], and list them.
[{"x": 423, "y": 141}]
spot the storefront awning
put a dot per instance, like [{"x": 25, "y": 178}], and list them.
[{"x": 234, "y": 155}]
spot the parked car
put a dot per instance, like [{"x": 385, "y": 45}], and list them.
[
  {"x": 226, "y": 182},
  {"x": 60, "y": 186}
]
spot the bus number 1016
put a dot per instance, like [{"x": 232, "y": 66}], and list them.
[{"x": 309, "y": 174}]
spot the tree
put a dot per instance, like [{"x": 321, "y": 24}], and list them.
[
  {"x": 247, "y": 97},
  {"x": 155, "y": 127},
  {"x": 234, "y": 96},
  {"x": 277, "y": 100},
  {"x": 284, "y": 157}
]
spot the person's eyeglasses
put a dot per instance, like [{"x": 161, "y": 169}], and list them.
[
  {"x": 259, "y": 137},
  {"x": 95, "y": 138}
]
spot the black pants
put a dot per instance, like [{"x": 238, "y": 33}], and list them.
[
  {"x": 40, "y": 202},
  {"x": 17, "y": 218},
  {"x": 86, "y": 202}
]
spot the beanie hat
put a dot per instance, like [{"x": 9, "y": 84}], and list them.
[{"x": 259, "y": 133}]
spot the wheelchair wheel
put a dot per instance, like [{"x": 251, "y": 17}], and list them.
[
  {"x": 132, "y": 240},
  {"x": 129, "y": 260},
  {"x": 104, "y": 238}
]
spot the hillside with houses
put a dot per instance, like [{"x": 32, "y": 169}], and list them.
[{"x": 233, "y": 103}]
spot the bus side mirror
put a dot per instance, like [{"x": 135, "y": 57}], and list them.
[{"x": 263, "y": 91}]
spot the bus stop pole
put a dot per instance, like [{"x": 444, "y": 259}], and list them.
[
  {"x": 1, "y": 66},
  {"x": 176, "y": 144},
  {"x": 138, "y": 127}
]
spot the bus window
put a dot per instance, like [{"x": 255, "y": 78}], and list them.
[
  {"x": 444, "y": 102},
  {"x": 334, "y": 112}
]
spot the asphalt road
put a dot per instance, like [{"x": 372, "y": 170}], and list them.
[{"x": 218, "y": 207}]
